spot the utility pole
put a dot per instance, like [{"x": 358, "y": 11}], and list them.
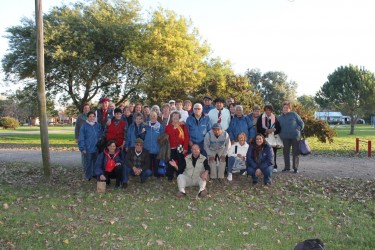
[{"x": 41, "y": 89}]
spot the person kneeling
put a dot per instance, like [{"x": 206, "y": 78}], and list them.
[
  {"x": 195, "y": 172},
  {"x": 137, "y": 162},
  {"x": 110, "y": 165},
  {"x": 259, "y": 159}
]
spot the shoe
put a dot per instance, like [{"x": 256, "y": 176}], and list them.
[
  {"x": 274, "y": 170},
  {"x": 295, "y": 171},
  {"x": 124, "y": 185},
  {"x": 202, "y": 193},
  {"x": 244, "y": 173},
  {"x": 230, "y": 178},
  {"x": 180, "y": 195},
  {"x": 285, "y": 170},
  {"x": 118, "y": 186},
  {"x": 268, "y": 184},
  {"x": 255, "y": 183}
]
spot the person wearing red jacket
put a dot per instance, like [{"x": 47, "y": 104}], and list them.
[{"x": 117, "y": 130}]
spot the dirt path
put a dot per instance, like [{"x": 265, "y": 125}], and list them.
[{"x": 316, "y": 167}]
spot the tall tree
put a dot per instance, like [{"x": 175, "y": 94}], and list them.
[
  {"x": 308, "y": 102},
  {"x": 86, "y": 50},
  {"x": 349, "y": 89}
]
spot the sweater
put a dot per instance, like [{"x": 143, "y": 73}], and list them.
[
  {"x": 291, "y": 125},
  {"x": 217, "y": 145}
]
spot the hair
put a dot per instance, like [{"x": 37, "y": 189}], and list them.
[
  {"x": 91, "y": 113},
  {"x": 166, "y": 105},
  {"x": 153, "y": 113},
  {"x": 287, "y": 103},
  {"x": 179, "y": 101},
  {"x": 261, "y": 135},
  {"x": 187, "y": 102},
  {"x": 268, "y": 106},
  {"x": 176, "y": 112},
  {"x": 256, "y": 107},
  {"x": 239, "y": 106},
  {"x": 117, "y": 110},
  {"x": 156, "y": 107},
  {"x": 242, "y": 134},
  {"x": 137, "y": 114},
  {"x": 110, "y": 142},
  {"x": 198, "y": 105}
]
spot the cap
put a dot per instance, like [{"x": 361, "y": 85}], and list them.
[
  {"x": 216, "y": 125},
  {"x": 139, "y": 140},
  {"x": 172, "y": 101},
  {"x": 207, "y": 97},
  {"x": 219, "y": 99}
]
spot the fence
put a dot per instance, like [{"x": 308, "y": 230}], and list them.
[{"x": 357, "y": 141}]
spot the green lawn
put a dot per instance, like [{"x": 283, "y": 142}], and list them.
[{"x": 68, "y": 213}]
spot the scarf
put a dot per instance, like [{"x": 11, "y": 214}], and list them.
[
  {"x": 155, "y": 126},
  {"x": 273, "y": 119},
  {"x": 91, "y": 123}
]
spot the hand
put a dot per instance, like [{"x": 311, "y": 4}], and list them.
[
  {"x": 223, "y": 158},
  {"x": 136, "y": 171},
  {"x": 258, "y": 172},
  {"x": 185, "y": 152},
  {"x": 143, "y": 130},
  {"x": 232, "y": 142},
  {"x": 211, "y": 158},
  {"x": 118, "y": 164},
  {"x": 102, "y": 178},
  {"x": 84, "y": 152},
  {"x": 204, "y": 175},
  {"x": 191, "y": 143},
  {"x": 173, "y": 163},
  {"x": 108, "y": 122}
]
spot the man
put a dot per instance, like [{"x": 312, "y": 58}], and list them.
[
  {"x": 179, "y": 109},
  {"x": 217, "y": 144},
  {"x": 195, "y": 172},
  {"x": 253, "y": 117},
  {"x": 207, "y": 106},
  {"x": 104, "y": 114},
  {"x": 81, "y": 119},
  {"x": 198, "y": 126},
  {"x": 172, "y": 104},
  {"x": 137, "y": 162},
  {"x": 220, "y": 114},
  {"x": 229, "y": 101},
  {"x": 240, "y": 124}
]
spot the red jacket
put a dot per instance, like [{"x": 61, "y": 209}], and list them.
[
  {"x": 176, "y": 138},
  {"x": 116, "y": 132}
]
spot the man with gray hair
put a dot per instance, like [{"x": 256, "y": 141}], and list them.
[
  {"x": 198, "y": 126},
  {"x": 240, "y": 124},
  {"x": 217, "y": 144}
]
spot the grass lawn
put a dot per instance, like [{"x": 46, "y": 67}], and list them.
[{"x": 68, "y": 213}]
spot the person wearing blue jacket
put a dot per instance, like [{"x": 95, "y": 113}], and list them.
[
  {"x": 259, "y": 160},
  {"x": 198, "y": 126},
  {"x": 89, "y": 135},
  {"x": 240, "y": 124},
  {"x": 153, "y": 130},
  {"x": 135, "y": 130},
  {"x": 291, "y": 125}
]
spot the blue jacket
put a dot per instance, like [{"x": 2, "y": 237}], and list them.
[
  {"x": 198, "y": 129},
  {"x": 238, "y": 125},
  {"x": 253, "y": 130},
  {"x": 291, "y": 125},
  {"x": 134, "y": 133},
  {"x": 151, "y": 138},
  {"x": 207, "y": 109},
  {"x": 101, "y": 163},
  {"x": 89, "y": 137},
  {"x": 266, "y": 158}
]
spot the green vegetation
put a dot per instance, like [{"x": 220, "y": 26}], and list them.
[
  {"x": 8, "y": 122},
  {"x": 68, "y": 213}
]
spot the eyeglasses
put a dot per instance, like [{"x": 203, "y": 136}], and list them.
[{"x": 198, "y": 108}]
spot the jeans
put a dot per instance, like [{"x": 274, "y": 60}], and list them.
[
  {"x": 144, "y": 174},
  {"x": 90, "y": 160},
  {"x": 267, "y": 173}
]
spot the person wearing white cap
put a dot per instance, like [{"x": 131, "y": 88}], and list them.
[{"x": 172, "y": 104}]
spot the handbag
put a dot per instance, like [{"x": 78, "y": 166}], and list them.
[
  {"x": 274, "y": 141},
  {"x": 304, "y": 148},
  {"x": 101, "y": 186}
]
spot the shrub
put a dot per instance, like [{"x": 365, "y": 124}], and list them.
[{"x": 9, "y": 122}]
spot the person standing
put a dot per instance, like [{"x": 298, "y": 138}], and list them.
[
  {"x": 116, "y": 130},
  {"x": 291, "y": 125},
  {"x": 220, "y": 114},
  {"x": 135, "y": 130},
  {"x": 179, "y": 108},
  {"x": 104, "y": 114},
  {"x": 240, "y": 124},
  {"x": 207, "y": 105},
  {"x": 254, "y": 118},
  {"x": 81, "y": 119}
]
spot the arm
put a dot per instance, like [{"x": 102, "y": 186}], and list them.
[
  {"x": 99, "y": 165},
  {"x": 231, "y": 130},
  {"x": 207, "y": 144},
  {"x": 268, "y": 160},
  {"x": 81, "y": 140},
  {"x": 186, "y": 139}
]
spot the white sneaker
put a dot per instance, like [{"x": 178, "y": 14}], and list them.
[
  {"x": 275, "y": 170},
  {"x": 229, "y": 177}
]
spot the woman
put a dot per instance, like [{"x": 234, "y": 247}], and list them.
[
  {"x": 259, "y": 159},
  {"x": 291, "y": 125},
  {"x": 89, "y": 135},
  {"x": 136, "y": 130},
  {"x": 146, "y": 113},
  {"x": 164, "y": 119},
  {"x": 138, "y": 108},
  {"x": 153, "y": 131},
  {"x": 268, "y": 124},
  {"x": 156, "y": 109},
  {"x": 109, "y": 165},
  {"x": 237, "y": 155},
  {"x": 117, "y": 130},
  {"x": 179, "y": 143},
  {"x": 127, "y": 115}
]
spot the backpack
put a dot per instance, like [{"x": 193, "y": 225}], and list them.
[{"x": 310, "y": 244}]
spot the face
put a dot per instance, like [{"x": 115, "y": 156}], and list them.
[
  {"x": 198, "y": 110},
  {"x": 241, "y": 139},
  {"x": 138, "y": 120},
  {"x": 229, "y": 101},
  {"x": 86, "y": 109},
  {"x": 127, "y": 111},
  {"x": 131, "y": 107},
  {"x": 91, "y": 118},
  {"x": 259, "y": 140},
  {"x": 256, "y": 113},
  {"x": 112, "y": 106},
  {"x": 147, "y": 111},
  {"x": 118, "y": 116},
  {"x": 219, "y": 105},
  {"x": 268, "y": 111},
  {"x": 172, "y": 104},
  {"x": 175, "y": 118},
  {"x": 105, "y": 105},
  {"x": 195, "y": 150},
  {"x": 187, "y": 106},
  {"x": 238, "y": 112},
  {"x": 112, "y": 147},
  {"x": 166, "y": 110},
  {"x": 153, "y": 117},
  {"x": 207, "y": 102},
  {"x": 178, "y": 105},
  {"x": 217, "y": 131},
  {"x": 138, "y": 108},
  {"x": 122, "y": 107},
  {"x": 286, "y": 109},
  {"x": 138, "y": 147}
]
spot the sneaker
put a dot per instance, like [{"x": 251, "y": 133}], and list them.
[
  {"x": 230, "y": 178},
  {"x": 274, "y": 170},
  {"x": 202, "y": 193},
  {"x": 268, "y": 184},
  {"x": 244, "y": 173},
  {"x": 285, "y": 170},
  {"x": 180, "y": 195}
]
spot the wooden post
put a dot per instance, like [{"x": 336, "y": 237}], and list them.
[{"x": 41, "y": 89}]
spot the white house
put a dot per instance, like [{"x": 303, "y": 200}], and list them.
[{"x": 329, "y": 116}]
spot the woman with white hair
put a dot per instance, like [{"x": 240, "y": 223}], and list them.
[{"x": 240, "y": 124}]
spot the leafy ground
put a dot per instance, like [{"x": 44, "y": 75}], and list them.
[{"x": 68, "y": 213}]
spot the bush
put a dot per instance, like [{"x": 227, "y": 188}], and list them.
[{"x": 9, "y": 122}]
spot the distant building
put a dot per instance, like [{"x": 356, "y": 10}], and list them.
[{"x": 330, "y": 116}]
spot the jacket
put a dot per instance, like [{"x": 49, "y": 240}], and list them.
[
  {"x": 133, "y": 133},
  {"x": 200, "y": 165},
  {"x": 175, "y": 137},
  {"x": 151, "y": 138},
  {"x": 266, "y": 159},
  {"x": 116, "y": 131},
  {"x": 89, "y": 137},
  {"x": 216, "y": 145},
  {"x": 291, "y": 125},
  {"x": 238, "y": 125},
  {"x": 198, "y": 128},
  {"x": 81, "y": 119},
  {"x": 253, "y": 131},
  {"x": 144, "y": 159},
  {"x": 268, "y": 124},
  {"x": 101, "y": 163}
]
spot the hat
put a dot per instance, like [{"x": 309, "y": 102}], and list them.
[
  {"x": 207, "y": 97},
  {"x": 172, "y": 101},
  {"x": 104, "y": 99},
  {"x": 216, "y": 125},
  {"x": 139, "y": 140},
  {"x": 219, "y": 99}
]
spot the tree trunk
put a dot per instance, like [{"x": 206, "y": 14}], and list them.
[
  {"x": 41, "y": 90},
  {"x": 352, "y": 124}
]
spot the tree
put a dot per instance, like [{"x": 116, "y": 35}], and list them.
[
  {"x": 349, "y": 89},
  {"x": 308, "y": 102},
  {"x": 86, "y": 50},
  {"x": 273, "y": 87}
]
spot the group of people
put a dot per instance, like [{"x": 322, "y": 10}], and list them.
[{"x": 191, "y": 142}]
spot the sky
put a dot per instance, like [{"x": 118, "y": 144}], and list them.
[{"x": 306, "y": 39}]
